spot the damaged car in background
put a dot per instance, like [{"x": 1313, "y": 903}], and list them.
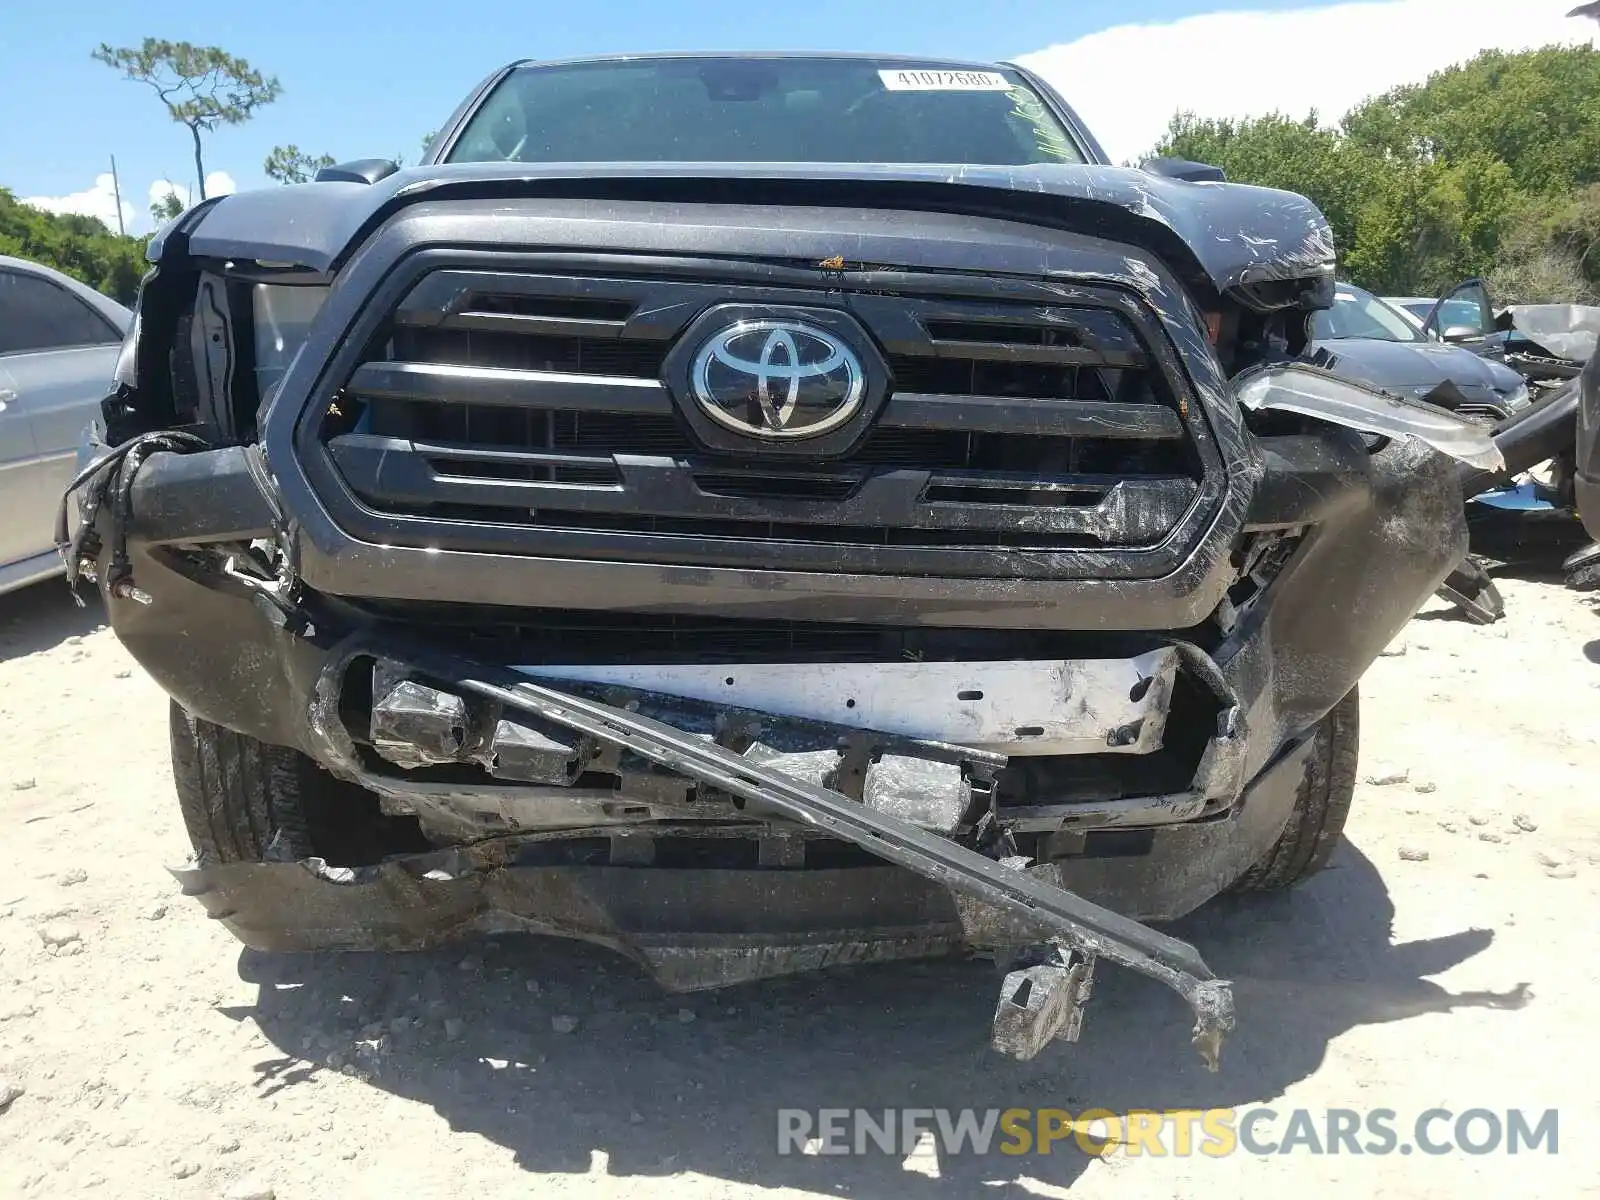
[
  {"x": 759, "y": 513},
  {"x": 1365, "y": 338},
  {"x": 1516, "y": 367},
  {"x": 1528, "y": 507}
]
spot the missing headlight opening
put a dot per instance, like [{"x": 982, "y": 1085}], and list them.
[{"x": 282, "y": 318}]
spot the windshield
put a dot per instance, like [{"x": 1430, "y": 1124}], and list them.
[
  {"x": 1358, "y": 314},
  {"x": 763, "y": 110}
]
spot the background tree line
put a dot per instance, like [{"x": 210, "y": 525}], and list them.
[
  {"x": 1488, "y": 168},
  {"x": 80, "y": 246}
]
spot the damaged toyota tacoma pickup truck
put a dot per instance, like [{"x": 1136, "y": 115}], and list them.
[{"x": 759, "y": 513}]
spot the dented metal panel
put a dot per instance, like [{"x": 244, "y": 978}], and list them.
[
  {"x": 1234, "y": 235},
  {"x": 1087, "y": 706},
  {"x": 1042, "y": 1002},
  {"x": 1566, "y": 331}
]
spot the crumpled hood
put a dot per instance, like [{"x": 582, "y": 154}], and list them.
[
  {"x": 1568, "y": 331},
  {"x": 1229, "y": 235},
  {"x": 1412, "y": 368}
]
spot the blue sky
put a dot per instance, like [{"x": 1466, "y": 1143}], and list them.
[{"x": 368, "y": 79}]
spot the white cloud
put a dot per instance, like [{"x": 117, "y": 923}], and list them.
[
  {"x": 1128, "y": 81},
  {"x": 218, "y": 183},
  {"x": 100, "y": 200},
  {"x": 162, "y": 188},
  {"x": 97, "y": 201}
]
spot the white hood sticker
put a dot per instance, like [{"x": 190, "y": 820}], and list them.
[{"x": 944, "y": 81}]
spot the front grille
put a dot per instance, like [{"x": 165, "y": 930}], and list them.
[{"x": 508, "y": 407}]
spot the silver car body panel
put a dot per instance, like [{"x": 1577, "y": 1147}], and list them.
[{"x": 47, "y": 397}]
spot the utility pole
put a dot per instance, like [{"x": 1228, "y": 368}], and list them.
[{"x": 116, "y": 191}]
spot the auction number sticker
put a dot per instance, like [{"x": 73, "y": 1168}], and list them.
[{"x": 944, "y": 81}]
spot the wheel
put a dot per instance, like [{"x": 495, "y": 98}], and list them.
[
  {"x": 247, "y": 801},
  {"x": 1321, "y": 808}
]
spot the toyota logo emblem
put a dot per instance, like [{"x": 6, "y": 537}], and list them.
[{"x": 777, "y": 379}]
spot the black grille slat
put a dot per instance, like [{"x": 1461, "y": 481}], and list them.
[
  {"x": 802, "y": 534},
  {"x": 540, "y": 350},
  {"x": 539, "y": 430},
  {"x": 448, "y": 383},
  {"x": 471, "y": 462},
  {"x": 751, "y": 485},
  {"x": 885, "y": 448},
  {"x": 1030, "y": 418},
  {"x": 954, "y": 450},
  {"x": 1004, "y": 378},
  {"x": 1094, "y": 337},
  {"x": 662, "y": 496},
  {"x": 950, "y": 449},
  {"x": 1009, "y": 419},
  {"x": 572, "y": 308},
  {"x": 608, "y": 432},
  {"x": 1067, "y": 339}
]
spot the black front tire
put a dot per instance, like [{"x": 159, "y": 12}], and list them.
[
  {"x": 246, "y": 801},
  {"x": 1320, "y": 809}
]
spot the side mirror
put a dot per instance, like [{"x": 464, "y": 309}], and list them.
[
  {"x": 1463, "y": 313},
  {"x": 1188, "y": 172},
  {"x": 360, "y": 170}
]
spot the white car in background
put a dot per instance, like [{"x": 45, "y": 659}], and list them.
[
  {"x": 59, "y": 341},
  {"x": 1453, "y": 314}
]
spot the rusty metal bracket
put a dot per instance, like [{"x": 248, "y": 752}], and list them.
[
  {"x": 1060, "y": 915},
  {"x": 1042, "y": 1003}
]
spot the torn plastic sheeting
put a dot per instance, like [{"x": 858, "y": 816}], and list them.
[{"x": 1314, "y": 393}]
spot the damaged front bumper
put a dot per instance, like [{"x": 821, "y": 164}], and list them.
[
  {"x": 952, "y": 895},
  {"x": 1342, "y": 541}
]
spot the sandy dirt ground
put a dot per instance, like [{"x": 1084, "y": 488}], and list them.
[{"x": 1447, "y": 958}]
